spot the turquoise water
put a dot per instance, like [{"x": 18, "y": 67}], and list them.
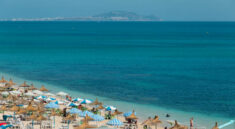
[{"x": 188, "y": 66}]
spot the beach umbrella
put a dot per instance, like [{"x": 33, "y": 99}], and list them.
[
  {"x": 49, "y": 94},
  {"x": 30, "y": 108},
  {"x": 15, "y": 92},
  {"x": 52, "y": 105},
  {"x": 96, "y": 102},
  {"x": 87, "y": 118},
  {"x": 86, "y": 101},
  {"x": 147, "y": 122},
  {"x": 29, "y": 94},
  {"x": 61, "y": 93},
  {"x": 24, "y": 84},
  {"x": 59, "y": 102},
  {"x": 116, "y": 112},
  {"x": 41, "y": 97},
  {"x": 3, "y": 108},
  {"x": 43, "y": 89},
  {"x": 128, "y": 114},
  {"x": 74, "y": 111},
  {"x": 178, "y": 126},
  {"x": 156, "y": 121},
  {"x": 83, "y": 114},
  {"x": 132, "y": 116},
  {"x": 85, "y": 126},
  {"x": 77, "y": 100},
  {"x": 11, "y": 82},
  {"x": 72, "y": 104},
  {"x": 38, "y": 92},
  {"x": 53, "y": 113},
  {"x": 97, "y": 117},
  {"x": 5, "y": 93},
  {"x": 110, "y": 108},
  {"x": 15, "y": 108},
  {"x": 100, "y": 107},
  {"x": 3, "y": 80},
  {"x": 6, "y": 126},
  {"x": 21, "y": 111},
  {"x": 216, "y": 126},
  {"x": 50, "y": 99},
  {"x": 115, "y": 122},
  {"x": 40, "y": 118},
  {"x": 32, "y": 87}
]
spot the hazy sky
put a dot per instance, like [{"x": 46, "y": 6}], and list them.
[{"x": 170, "y": 10}]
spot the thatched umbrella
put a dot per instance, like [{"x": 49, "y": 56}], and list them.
[
  {"x": 147, "y": 122},
  {"x": 30, "y": 108},
  {"x": 3, "y": 108},
  {"x": 32, "y": 87},
  {"x": 178, "y": 126},
  {"x": 11, "y": 82},
  {"x": 24, "y": 85},
  {"x": 116, "y": 113},
  {"x": 21, "y": 111},
  {"x": 15, "y": 109},
  {"x": 3, "y": 80},
  {"x": 100, "y": 107},
  {"x": 132, "y": 116},
  {"x": 43, "y": 89},
  {"x": 53, "y": 113},
  {"x": 156, "y": 121},
  {"x": 84, "y": 125},
  {"x": 216, "y": 126},
  {"x": 96, "y": 102},
  {"x": 41, "y": 118},
  {"x": 33, "y": 117}
]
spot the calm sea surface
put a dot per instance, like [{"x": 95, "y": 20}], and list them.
[{"x": 187, "y": 66}]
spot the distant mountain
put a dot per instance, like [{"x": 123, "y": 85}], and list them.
[
  {"x": 125, "y": 16},
  {"x": 109, "y": 16}
]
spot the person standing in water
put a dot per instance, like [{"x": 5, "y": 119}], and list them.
[{"x": 191, "y": 123}]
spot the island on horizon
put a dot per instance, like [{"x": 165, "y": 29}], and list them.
[{"x": 109, "y": 16}]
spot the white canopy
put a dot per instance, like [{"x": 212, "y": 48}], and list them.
[
  {"x": 15, "y": 92},
  {"x": 49, "y": 94},
  {"x": 61, "y": 93},
  {"x": 38, "y": 92},
  {"x": 29, "y": 94},
  {"x": 5, "y": 93}
]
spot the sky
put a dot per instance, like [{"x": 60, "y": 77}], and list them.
[{"x": 168, "y": 10}]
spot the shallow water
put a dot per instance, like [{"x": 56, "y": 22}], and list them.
[{"x": 176, "y": 65}]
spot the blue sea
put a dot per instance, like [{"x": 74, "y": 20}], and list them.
[{"x": 187, "y": 66}]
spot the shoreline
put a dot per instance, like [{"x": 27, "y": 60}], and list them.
[{"x": 143, "y": 111}]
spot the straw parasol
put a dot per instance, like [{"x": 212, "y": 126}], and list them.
[
  {"x": 3, "y": 108},
  {"x": 15, "y": 108},
  {"x": 24, "y": 84},
  {"x": 30, "y": 108},
  {"x": 11, "y": 82},
  {"x": 3, "y": 80},
  {"x": 147, "y": 122},
  {"x": 216, "y": 126},
  {"x": 156, "y": 121},
  {"x": 41, "y": 118},
  {"x": 32, "y": 87},
  {"x": 96, "y": 102},
  {"x": 178, "y": 126},
  {"x": 33, "y": 116},
  {"x": 116, "y": 112},
  {"x": 84, "y": 126},
  {"x": 100, "y": 107},
  {"x": 43, "y": 89},
  {"x": 132, "y": 116},
  {"x": 21, "y": 111}
]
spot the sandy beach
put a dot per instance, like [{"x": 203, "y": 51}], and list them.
[{"x": 141, "y": 114}]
